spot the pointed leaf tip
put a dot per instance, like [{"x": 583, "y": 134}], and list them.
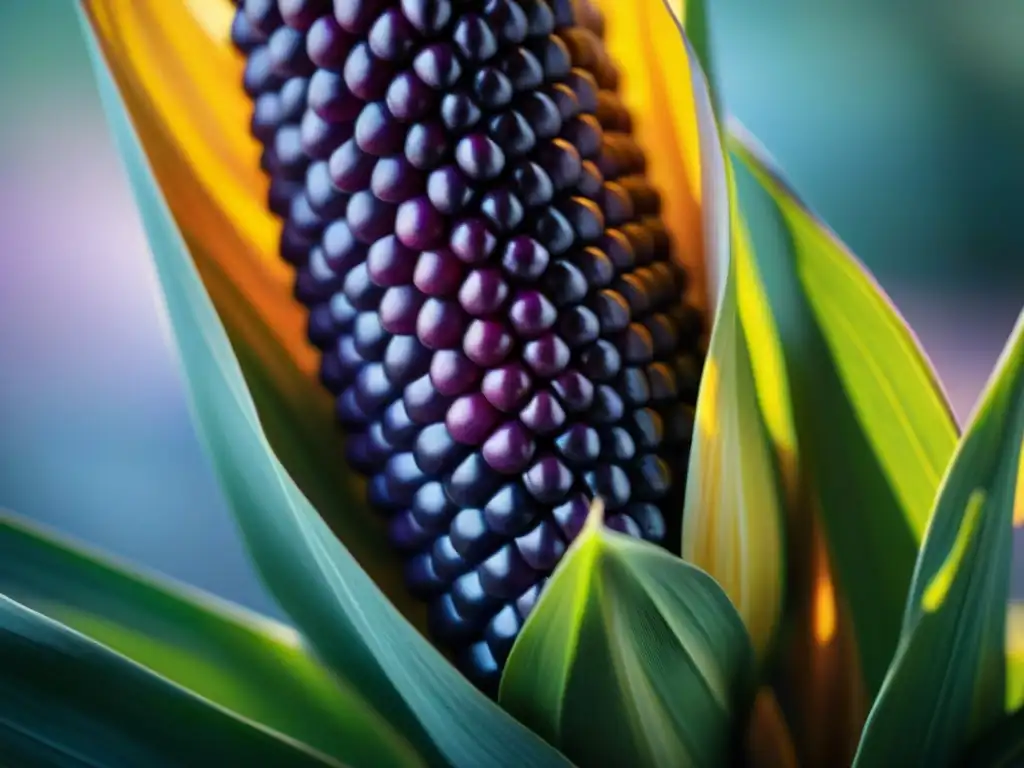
[
  {"x": 957, "y": 669},
  {"x": 631, "y": 657}
]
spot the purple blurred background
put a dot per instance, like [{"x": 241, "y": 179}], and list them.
[{"x": 95, "y": 437}]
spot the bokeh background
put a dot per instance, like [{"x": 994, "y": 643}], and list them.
[{"x": 901, "y": 123}]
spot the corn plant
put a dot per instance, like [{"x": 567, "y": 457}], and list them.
[{"x": 561, "y": 429}]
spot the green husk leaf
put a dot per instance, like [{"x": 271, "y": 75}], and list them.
[
  {"x": 631, "y": 657},
  {"x": 864, "y": 423},
  {"x": 734, "y": 515},
  {"x": 346, "y": 618},
  {"x": 242, "y": 664},
  {"x": 1002, "y": 747},
  {"x": 947, "y": 684},
  {"x": 66, "y": 700}
]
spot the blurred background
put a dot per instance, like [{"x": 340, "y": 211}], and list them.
[{"x": 902, "y": 124}]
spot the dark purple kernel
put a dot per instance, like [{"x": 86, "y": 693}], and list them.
[
  {"x": 487, "y": 343},
  {"x": 437, "y": 451},
  {"x": 378, "y": 132},
  {"x": 525, "y": 258},
  {"x": 438, "y": 273},
  {"x": 288, "y": 53},
  {"x": 472, "y": 241},
  {"x": 426, "y": 145},
  {"x": 611, "y": 484},
  {"x": 601, "y": 361},
  {"x": 483, "y": 292},
  {"x": 624, "y": 524},
  {"x": 392, "y": 37},
  {"x": 508, "y": 18},
  {"x": 423, "y": 403},
  {"x": 618, "y": 445},
  {"x": 474, "y": 37},
  {"x": 394, "y": 180},
  {"x": 409, "y": 98},
  {"x": 431, "y": 507},
  {"x": 542, "y": 112},
  {"x": 554, "y": 58},
  {"x": 419, "y": 225},
  {"x": 526, "y": 601},
  {"x": 365, "y": 75},
  {"x": 369, "y": 218},
  {"x": 357, "y": 16},
  {"x": 472, "y": 482},
  {"x": 448, "y": 190},
  {"x": 533, "y": 185},
  {"x": 479, "y": 157},
  {"x": 453, "y": 373},
  {"x": 502, "y": 210},
  {"x": 447, "y": 563},
  {"x": 575, "y": 391},
  {"x": 578, "y": 326},
  {"x": 511, "y": 510},
  {"x": 350, "y": 167},
  {"x": 399, "y": 309},
  {"x": 406, "y": 359},
  {"x": 634, "y": 387},
  {"x": 427, "y": 16},
  {"x": 547, "y": 356},
  {"x": 531, "y": 314},
  {"x": 541, "y": 547},
  {"x": 459, "y": 112},
  {"x": 554, "y": 231},
  {"x": 471, "y": 535},
  {"x": 649, "y": 520},
  {"x": 591, "y": 182},
  {"x": 259, "y": 75},
  {"x": 509, "y": 448},
  {"x": 507, "y": 388},
  {"x": 513, "y": 133},
  {"x": 501, "y": 633},
  {"x": 471, "y": 419},
  {"x": 524, "y": 70},
  {"x": 327, "y": 44},
  {"x": 341, "y": 249},
  {"x": 492, "y": 88},
  {"x": 262, "y": 15},
  {"x": 440, "y": 324},
  {"x": 543, "y": 414},
  {"x": 548, "y": 481},
  {"x": 319, "y": 137},
  {"x": 571, "y": 515},
  {"x": 438, "y": 66},
  {"x": 243, "y": 34},
  {"x": 579, "y": 445}
]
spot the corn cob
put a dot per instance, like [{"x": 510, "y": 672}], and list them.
[{"x": 500, "y": 314}]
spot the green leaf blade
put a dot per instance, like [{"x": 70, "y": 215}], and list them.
[
  {"x": 948, "y": 685},
  {"x": 346, "y": 618},
  {"x": 631, "y": 657},
  {"x": 67, "y": 700},
  {"x": 246, "y": 664},
  {"x": 872, "y": 429}
]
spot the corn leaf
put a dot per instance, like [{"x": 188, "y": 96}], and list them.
[
  {"x": 242, "y": 665},
  {"x": 733, "y": 519},
  {"x": 346, "y": 618},
  {"x": 180, "y": 79},
  {"x": 68, "y": 701},
  {"x": 864, "y": 421},
  {"x": 1002, "y": 747},
  {"x": 631, "y": 657},
  {"x": 947, "y": 684}
]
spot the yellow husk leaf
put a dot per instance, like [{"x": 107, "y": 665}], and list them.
[
  {"x": 181, "y": 80},
  {"x": 643, "y": 39}
]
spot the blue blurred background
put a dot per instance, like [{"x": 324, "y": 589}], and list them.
[{"x": 901, "y": 123}]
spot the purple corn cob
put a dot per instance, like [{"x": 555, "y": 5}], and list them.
[{"x": 495, "y": 296}]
